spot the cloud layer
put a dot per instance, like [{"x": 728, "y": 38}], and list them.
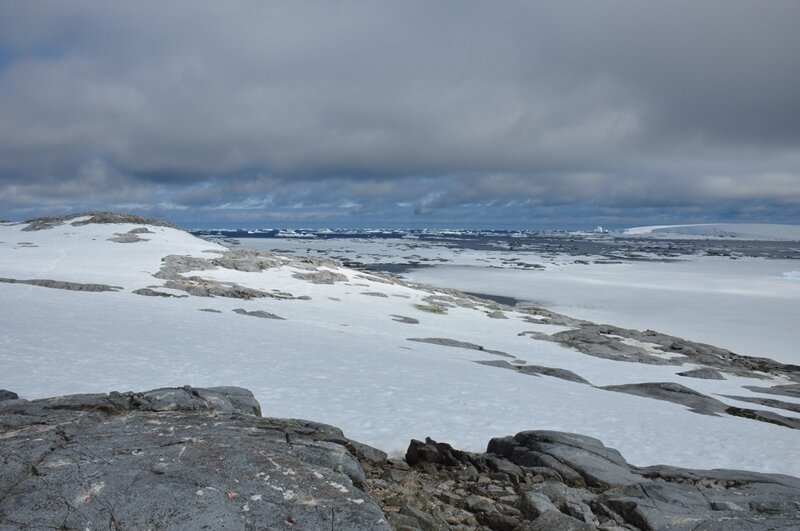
[{"x": 517, "y": 113}]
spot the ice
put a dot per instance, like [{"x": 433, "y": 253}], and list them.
[{"x": 743, "y": 305}]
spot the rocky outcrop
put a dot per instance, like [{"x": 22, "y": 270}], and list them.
[
  {"x": 446, "y": 342},
  {"x": 61, "y": 284},
  {"x": 258, "y": 313},
  {"x": 558, "y": 481},
  {"x": 703, "y": 374},
  {"x": 188, "y": 458},
  {"x": 48, "y": 222},
  {"x": 132, "y": 236},
  {"x": 536, "y": 370},
  {"x": 7, "y": 395},
  {"x": 179, "y": 458},
  {"x": 622, "y": 344},
  {"x": 700, "y": 403},
  {"x": 148, "y": 292}
]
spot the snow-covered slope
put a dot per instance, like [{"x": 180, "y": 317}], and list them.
[
  {"x": 383, "y": 359},
  {"x": 744, "y": 231}
]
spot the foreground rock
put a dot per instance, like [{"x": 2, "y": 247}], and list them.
[
  {"x": 187, "y": 458},
  {"x": 176, "y": 459},
  {"x": 558, "y": 481}
]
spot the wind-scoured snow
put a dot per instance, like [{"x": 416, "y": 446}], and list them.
[{"x": 340, "y": 355}]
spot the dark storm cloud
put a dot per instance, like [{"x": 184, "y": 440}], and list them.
[{"x": 379, "y": 110}]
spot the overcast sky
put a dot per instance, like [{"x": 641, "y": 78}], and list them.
[{"x": 404, "y": 113}]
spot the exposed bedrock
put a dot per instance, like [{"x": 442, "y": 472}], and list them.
[
  {"x": 175, "y": 459},
  {"x": 622, "y": 344},
  {"x": 189, "y": 458},
  {"x": 705, "y": 405},
  {"x": 560, "y": 481},
  {"x": 61, "y": 284},
  {"x": 536, "y": 370},
  {"x": 48, "y": 222},
  {"x": 703, "y": 374},
  {"x": 174, "y": 267},
  {"x": 7, "y": 395}
]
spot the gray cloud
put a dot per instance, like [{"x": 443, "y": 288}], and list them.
[{"x": 377, "y": 110}]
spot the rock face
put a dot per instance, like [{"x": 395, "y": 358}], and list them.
[
  {"x": 558, "y": 481},
  {"x": 60, "y": 284},
  {"x": 190, "y": 458},
  {"x": 174, "y": 459}
]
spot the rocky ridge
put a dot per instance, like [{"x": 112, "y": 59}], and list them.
[{"x": 188, "y": 458}]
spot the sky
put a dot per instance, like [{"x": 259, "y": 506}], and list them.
[{"x": 529, "y": 114}]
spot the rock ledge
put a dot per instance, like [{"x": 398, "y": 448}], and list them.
[{"x": 189, "y": 458}]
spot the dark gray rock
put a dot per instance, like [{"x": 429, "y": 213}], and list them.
[
  {"x": 673, "y": 392},
  {"x": 258, "y": 313},
  {"x": 458, "y": 344},
  {"x": 60, "y": 284},
  {"x": 49, "y": 222},
  {"x": 498, "y": 490},
  {"x": 425, "y": 520},
  {"x": 704, "y": 374},
  {"x": 595, "y": 340},
  {"x": 554, "y": 372},
  {"x": 403, "y": 319},
  {"x": 764, "y": 416},
  {"x": 174, "y": 459},
  {"x": 535, "y": 370},
  {"x": 769, "y": 402},
  {"x": 7, "y": 395},
  {"x": 792, "y": 390},
  {"x": 573, "y": 502},
  {"x": 148, "y": 292},
  {"x": 598, "y": 465},
  {"x": 375, "y": 294},
  {"x": 433, "y": 452},
  {"x": 479, "y": 504},
  {"x": 557, "y": 521},
  {"x": 534, "y": 504},
  {"x": 500, "y": 364},
  {"x": 403, "y": 522},
  {"x": 606, "y": 341},
  {"x": 700, "y": 403}
]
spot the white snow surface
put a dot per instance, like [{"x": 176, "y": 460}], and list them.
[
  {"x": 340, "y": 358},
  {"x": 743, "y": 231},
  {"x": 744, "y": 305}
]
